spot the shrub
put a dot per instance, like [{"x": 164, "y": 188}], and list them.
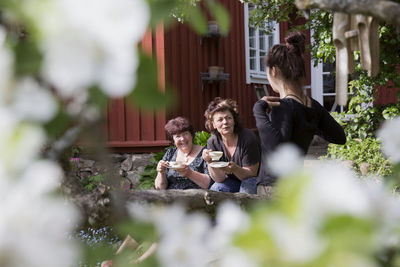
[{"x": 366, "y": 150}]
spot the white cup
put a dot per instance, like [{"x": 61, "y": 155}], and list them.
[
  {"x": 215, "y": 155},
  {"x": 175, "y": 164}
]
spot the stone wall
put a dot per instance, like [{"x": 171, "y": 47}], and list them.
[{"x": 127, "y": 166}]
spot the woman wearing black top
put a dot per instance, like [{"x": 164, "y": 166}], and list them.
[{"x": 293, "y": 116}]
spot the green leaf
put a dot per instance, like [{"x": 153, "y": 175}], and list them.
[
  {"x": 147, "y": 94},
  {"x": 58, "y": 124},
  {"x": 197, "y": 20},
  {"x": 97, "y": 97},
  {"x": 28, "y": 58},
  {"x": 221, "y": 15},
  {"x": 161, "y": 11}
]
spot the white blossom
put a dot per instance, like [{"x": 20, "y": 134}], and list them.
[
  {"x": 20, "y": 142},
  {"x": 33, "y": 102},
  {"x": 34, "y": 224},
  {"x": 234, "y": 257},
  {"x": 333, "y": 189},
  {"x": 91, "y": 42},
  {"x": 297, "y": 242},
  {"x": 285, "y": 160},
  {"x": 389, "y": 135}
]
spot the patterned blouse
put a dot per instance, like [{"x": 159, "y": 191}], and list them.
[{"x": 175, "y": 181}]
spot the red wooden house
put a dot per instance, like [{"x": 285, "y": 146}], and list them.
[{"x": 184, "y": 59}]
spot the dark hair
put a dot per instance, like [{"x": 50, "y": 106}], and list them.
[
  {"x": 177, "y": 126},
  {"x": 288, "y": 57},
  {"x": 219, "y": 105}
]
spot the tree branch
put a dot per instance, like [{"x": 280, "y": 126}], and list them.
[{"x": 387, "y": 11}]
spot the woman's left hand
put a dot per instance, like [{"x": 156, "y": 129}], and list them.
[
  {"x": 184, "y": 171},
  {"x": 230, "y": 169}
]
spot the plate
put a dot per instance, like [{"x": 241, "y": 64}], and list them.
[
  {"x": 174, "y": 165},
  {"x": 219, "y": 164}
]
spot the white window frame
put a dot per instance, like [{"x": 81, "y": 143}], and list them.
[{"x": 256, "y": 76}]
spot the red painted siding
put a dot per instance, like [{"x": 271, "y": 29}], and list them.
[
  {"x": 131, "y": 129},
  {"x": 187, "y": 55},
  {"x": 182, "y": 55},
  {"x": 386, "y": 94}
]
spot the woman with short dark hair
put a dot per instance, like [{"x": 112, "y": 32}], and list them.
[
  {"x": 182, "y": 166},
  {"x": 293, "y": 116},
  {"x": 239, "y": 146}
]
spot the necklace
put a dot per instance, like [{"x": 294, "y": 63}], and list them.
[{"x": 298, "y": 98}]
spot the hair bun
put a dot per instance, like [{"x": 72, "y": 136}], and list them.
[{"x": 295, "y": 42}]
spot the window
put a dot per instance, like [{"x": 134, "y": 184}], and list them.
[
  {"x": 323, "y": 86},
  {"x": 257, "y": 44}
]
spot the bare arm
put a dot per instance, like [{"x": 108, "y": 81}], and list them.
[
  {"x": 161, "y": 181},
  {"x": 201, "y": 179},
  {"x": 242, "y": 172}
]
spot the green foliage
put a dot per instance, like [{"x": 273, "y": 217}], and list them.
[
  {"x": 359, "y": 151},
  {"x": 28, "y": 58},
  {"x": 146, "y": 180},
  {"x": 221, "y": 15},
  {"x": 92, "y": 182},
  {"x": 201, "y": 138},
  {"x": 391, "y": 112}
]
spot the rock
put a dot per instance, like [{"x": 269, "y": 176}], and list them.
[
  {"x": 86, "y": 164},
  {"x": 117, "y": 158},
  {"x": 141, "y": 159},
  {"x": 133, "y": 177},
  {"x": 127, "y": 164},
  {"x": 364, "y": 168},
  {"x": 348, "y": 163},
  {"x": 140, "y": 169}
]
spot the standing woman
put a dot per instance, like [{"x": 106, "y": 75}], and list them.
[
  {"x": 239, "y": 146},
  {"x": 293, "y": 116},
  {"x": 193, "y": 172}
]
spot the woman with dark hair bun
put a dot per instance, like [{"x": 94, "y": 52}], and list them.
[
  {"x": 239, "y": 147},
  {"x": 293, "y": 116},
  {"x": 182, "y": 166}
]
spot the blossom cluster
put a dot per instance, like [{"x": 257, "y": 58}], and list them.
[
  {"x": 81, "y": 44},
  {"x": 320, "y": 216}
]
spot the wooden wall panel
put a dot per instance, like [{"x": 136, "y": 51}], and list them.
[
  {"x": 187, "y": 54},
  {"x": 130, "y": 129}
]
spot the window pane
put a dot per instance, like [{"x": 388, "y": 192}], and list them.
[
  {"x": 262, "y": 65},
  {"x": 262, "y": 42},
  {"x": 270, "y": 41},
  {"x": 252, "y": 42},
  {"x": 252, "y": 63},
  {"x": 328, "y": 83},
  {"x": 252, "y": 53},
  {"x": 251, "y": 31},
  {"x": 328, "y": 67}
]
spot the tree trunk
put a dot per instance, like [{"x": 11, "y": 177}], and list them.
[
  {"x": 194, "y": 199},
  {"x": 387, "y": 11}
]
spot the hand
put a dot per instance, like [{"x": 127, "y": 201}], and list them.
[
  {"x": 184, "y": 171},
  {"x": 162, "y": 166},
  {"x": 232, "y": 166},
  {"x": 272, "y": 101},
  {"x": 206, "y": 155}
]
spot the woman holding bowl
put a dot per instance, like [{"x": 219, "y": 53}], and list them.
[
  {"x": 182, "y": 166},
  {"x": 240, "y": 148}
]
